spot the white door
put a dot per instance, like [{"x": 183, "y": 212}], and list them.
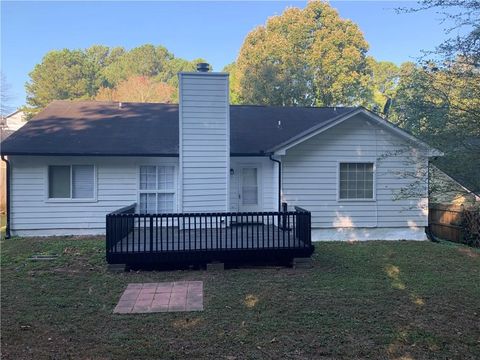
[{"x": 249, "y": 192}]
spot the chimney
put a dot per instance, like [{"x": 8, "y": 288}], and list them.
[
  {"x": 204, "y": 144},
  {"x": 203, "y": 67}
]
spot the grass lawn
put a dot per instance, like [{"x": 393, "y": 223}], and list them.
[{"x": 397, "y": 300}]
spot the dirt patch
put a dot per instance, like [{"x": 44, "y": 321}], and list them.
[{"x": 469, "y": 252}]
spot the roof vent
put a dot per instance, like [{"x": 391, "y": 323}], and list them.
[{"x": 203, "y": 67}]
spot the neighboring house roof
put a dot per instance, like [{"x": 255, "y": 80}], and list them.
[
  {"x": 14, "y": 121},
  {"x": 5, "y": 134},
  {"x": 461, "y": 183},
  {"x": 151, "y": 129},
  {"x": 13, "y": 113}
]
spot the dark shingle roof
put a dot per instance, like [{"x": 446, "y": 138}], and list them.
[{"x": 102, "y": 128}]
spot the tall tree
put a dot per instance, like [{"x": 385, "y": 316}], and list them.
[
  {"x": 5, "y": 95},
  {"x": 138, "y": 89},
  {"x": 439, "y": 99},
  {"x": 234, "y": 83},
  {"x": 442, "y": 106},
  {"x": 63, "y": 74},
  {"x": 172, "y": 68},
  {"x": 384, "y": 82},
  {"x": 305, "y": 56},
  {"x": 98, "y": 57},
  {"x": 80, "y": 74},
  {"x": 146, "y": 60}
]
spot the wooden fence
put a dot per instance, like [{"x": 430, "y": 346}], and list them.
[{"x": 455, "y": 223}]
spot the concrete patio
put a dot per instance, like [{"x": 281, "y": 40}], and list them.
[{"x": 161, "y": 297}]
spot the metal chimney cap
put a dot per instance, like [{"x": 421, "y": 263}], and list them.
[{"x": 203, "y": 67}]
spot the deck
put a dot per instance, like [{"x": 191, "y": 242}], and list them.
[
  {"x": 200, "y": 238},
  {"x": 233, "y": 237}
]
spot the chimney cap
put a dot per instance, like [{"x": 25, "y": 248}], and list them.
[{"x": 203, "y": 67}]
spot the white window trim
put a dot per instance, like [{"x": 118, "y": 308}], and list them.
[
  {"x": 174, "y": 190},
  {"x": 364, "y": 161},
  {"x": 48, "y": 199}
]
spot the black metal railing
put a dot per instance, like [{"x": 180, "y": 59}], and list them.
[{"x": 129, "y": 233}]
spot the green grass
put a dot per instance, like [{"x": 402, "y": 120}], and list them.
[{"x": 398, "y": 300}]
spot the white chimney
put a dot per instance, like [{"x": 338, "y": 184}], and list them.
[{"x": 204, "y": 144}]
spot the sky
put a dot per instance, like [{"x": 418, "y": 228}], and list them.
[{"x": 211, "y": 30}]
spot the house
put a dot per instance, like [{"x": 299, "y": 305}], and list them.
[
  {"x": 445, "y": 189},
  {"x": 8, "y": 124},
  {"x": 77, "y": 161},
  {"x": 13, "y": 121}
]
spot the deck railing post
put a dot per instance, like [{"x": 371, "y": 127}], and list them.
[
  {"x": 107, "y": 234},
  {"x": 309, "y": 228},
  {"x": 284, "y": 216},
  {"x": 151, "y": 233}
]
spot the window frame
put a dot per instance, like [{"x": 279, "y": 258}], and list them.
[
  {"x": 70, "y": 199},
  {"x": 358, "y": 161},
  {"x": 173, "y": 191}
]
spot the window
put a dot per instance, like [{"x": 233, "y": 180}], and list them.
[
  {"x": 157, "y": 189},
  {"x": 71, "y": 182},
  {"x": 356, "y": 181}
]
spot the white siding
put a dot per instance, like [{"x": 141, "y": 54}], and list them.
[
  {"x": 204, "y": 142},
  {"x": 268, "y": 192},
  {"x": 310, "y": 177},
  {"x": 32, "y": 212}
]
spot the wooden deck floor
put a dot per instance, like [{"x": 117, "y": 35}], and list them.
[{"x": 230, "y": 238}]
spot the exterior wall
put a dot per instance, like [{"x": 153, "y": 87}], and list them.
[
  {"x": 117, "y": 185},
  {"x": 268, "y": 179},
  {"x": 15, "y": 121},
  {"x": 32, "y": 213},
  {"x": 310, "y": 178},
  {"x": 204, "y": 142},
  {"x": 364, "y": 234}
]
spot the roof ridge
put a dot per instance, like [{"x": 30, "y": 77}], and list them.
[
  {"x": 297, "y": 107},
  {"x": 176, "y": 104}
]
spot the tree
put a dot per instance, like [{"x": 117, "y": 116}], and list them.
[
  {"x": 98, "y": 57},
  {"x": 234, "y": 83},
  {"x": 439, "y": 99},
  {"x": 146, "y": 60},
  {"x": 171, "y": 69},
  {"x": 6, "y": 95},
  {"x": 81, "y": 74},
  {"x": 305, "y": 56},
  {"x": 441, "y": 105},
  {"x": 138, "y": 89},
  {"x": 384, "y": 82},
  {"x": 63, "y": 74}
]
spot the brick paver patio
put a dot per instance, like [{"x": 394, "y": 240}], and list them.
[{"x": 161, "y": 297}]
